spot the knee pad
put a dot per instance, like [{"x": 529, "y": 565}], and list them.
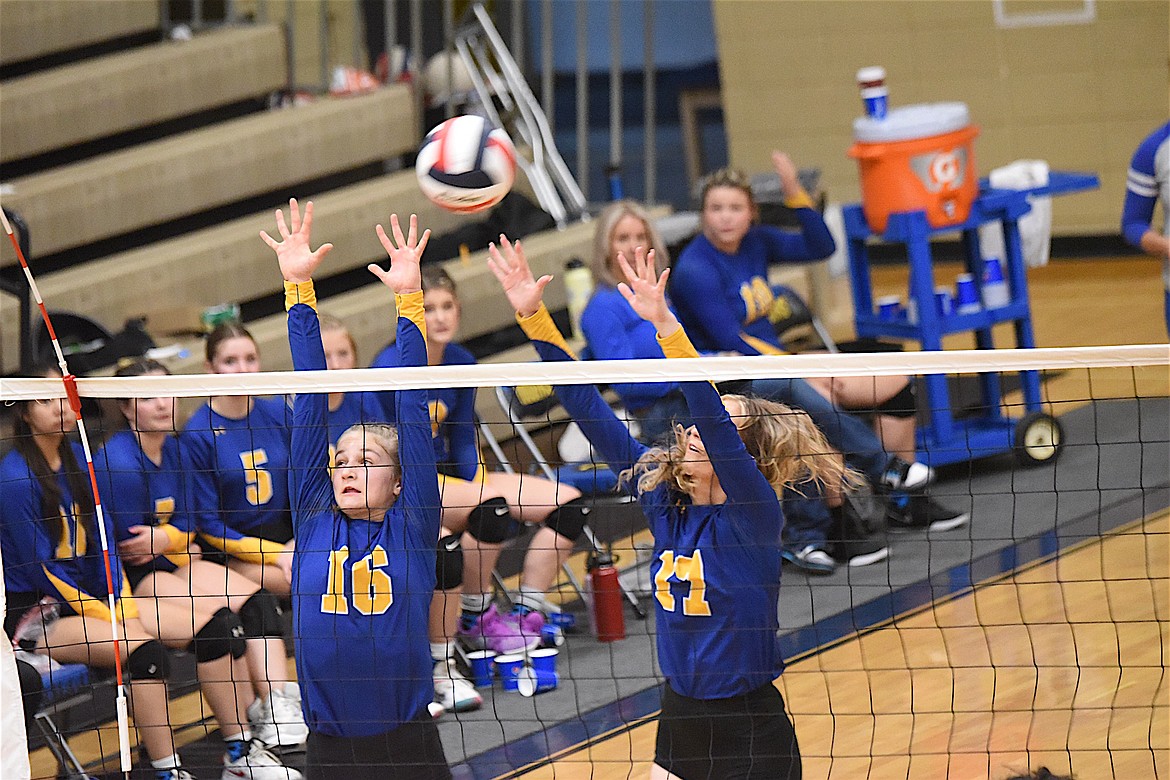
[
  {"x": 491, "y": 521},
  {"x": 261, "y": 615},
  {"x": 150, "y": 661},
  {"x": 222, "y": 635},
  {"x": 902, "y": 404},
  {"x": 569, "y": 519},
  {"x": 448, "y": 564}
]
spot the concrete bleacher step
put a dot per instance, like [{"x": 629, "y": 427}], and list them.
[
  {"x": 119, "y": 92},
  {"x": 228, "y": 262},
  {"x": 154, "y": 183},
  {"x": 36, "y": 28},
  {"x": 369, "y": 310}
]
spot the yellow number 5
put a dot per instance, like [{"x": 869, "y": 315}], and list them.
[
  {"x": 688, "y": 569},
  {"x": 259, "y": 481}
]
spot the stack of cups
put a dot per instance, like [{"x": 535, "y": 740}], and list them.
[
  {"x": 995, "y": 289},
  {"x": 874, "y": 94},
  {"x": 889, "y": 308},
  {"x": 944, "y": 303},
  {"x": 966, "y": 295}
]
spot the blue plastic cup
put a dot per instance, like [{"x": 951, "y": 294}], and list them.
[
  {"x": 480, "y": 662},
  {"x": 944, "y": 304},
  {"x": 889, "y": 308},
  {"x": 508, "y": 667},
  {"x": 966, "y": 295},
  {"x": 540, "y": 674},
  {"x": 562, "y": 620}
]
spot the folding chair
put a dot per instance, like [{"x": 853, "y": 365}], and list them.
[
  {"x": 523, "y": 406},
  {"x": 65, "y": 686}
]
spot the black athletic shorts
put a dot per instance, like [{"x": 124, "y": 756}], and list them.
[
  {"x": 410, "y": 752},
  {"x": 743, "y": 737},
  {"x": 279, "y": 531}
]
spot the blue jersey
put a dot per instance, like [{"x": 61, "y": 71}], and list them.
[
  {"x": 362, "y": 590},
  {"x": 724, "y": 300},
  {"x": 58, "y": 556},
  {"x": 238, "y": 471},
  {"x": 452, "y": 413},
  {"x": 716, "y": 569},
  {"x": 614, "y": 332},
  {"x": 137, "y": 491}
]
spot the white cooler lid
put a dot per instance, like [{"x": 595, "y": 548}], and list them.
[{"x": 906, "y": 123}]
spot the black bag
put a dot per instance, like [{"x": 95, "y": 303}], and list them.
[{"x": 859, "y": 525}]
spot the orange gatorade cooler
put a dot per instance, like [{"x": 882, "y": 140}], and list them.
[{"x": 918, "y": 158}]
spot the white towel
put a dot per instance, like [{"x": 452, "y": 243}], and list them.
[{"x": 1035, "y": 226}]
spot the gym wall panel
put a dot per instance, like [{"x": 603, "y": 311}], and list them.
[{"x": 1075, "y": 95}]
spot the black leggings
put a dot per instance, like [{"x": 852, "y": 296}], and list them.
[
  {"x": 741, "y": 738},
  {"x": 410, "y": 752}
]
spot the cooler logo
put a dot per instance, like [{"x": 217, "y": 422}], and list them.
[{"x": 940, "y": 171}]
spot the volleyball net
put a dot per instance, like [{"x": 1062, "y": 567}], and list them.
[{"x": 1011, "y": 614}]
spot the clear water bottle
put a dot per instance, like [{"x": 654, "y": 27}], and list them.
[{"x": 578, "y": 290}]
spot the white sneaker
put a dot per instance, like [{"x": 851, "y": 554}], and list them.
[
  {"x": 454, "y": 691},
  {"x": 258, "y": 764},
  {"x": 279, "y": 720}
]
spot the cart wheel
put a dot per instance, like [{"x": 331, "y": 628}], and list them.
[{"x": 1038, "y": 438}]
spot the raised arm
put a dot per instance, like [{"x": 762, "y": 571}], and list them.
[
  {"x": 310, "y": 487},
  {"x": 600, "y": 425},
  {"x": 646, "y": 293},
  {"x": 814, "y": 242},
  {"x": 420, "y": 485}
]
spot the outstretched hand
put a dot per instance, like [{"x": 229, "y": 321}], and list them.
[
  {"x": 645, "y": 290},
  {"x": 510, "y": 266},
  {"x": 297, "y": 261},
  {"x": 786, "y": 170},
  {"x": 405, "y": 253}
]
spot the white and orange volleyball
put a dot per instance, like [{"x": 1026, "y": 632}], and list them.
[{"x": 466, "y": 164}]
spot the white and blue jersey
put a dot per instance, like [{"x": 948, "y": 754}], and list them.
[{"x": 1147, "y": 180}]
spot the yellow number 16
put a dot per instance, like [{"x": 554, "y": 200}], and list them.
[
  {"x": 372, "y": 590},
  {"x": 686, "y": 568}
]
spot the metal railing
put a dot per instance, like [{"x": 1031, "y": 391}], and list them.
[{"x": 424, "y": 16}]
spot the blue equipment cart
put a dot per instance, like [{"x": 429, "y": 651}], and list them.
[{"x": 1035, "y": 437}]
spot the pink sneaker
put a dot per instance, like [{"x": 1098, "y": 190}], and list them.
[
  {"x": 498, "y": 633},
  {"x": 535, "y": 624}
]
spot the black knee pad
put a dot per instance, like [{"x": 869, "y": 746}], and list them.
[
  {"x": 902, "y": 404},
  {"x": 222, "y": 635},
  {"x": 261, "y": 615},
  {"x": 448, "y": 563},
  {"x": 569, "y": 519},
  {"x": 150, "y": 661},
  {"x": 491, "y": 521}
]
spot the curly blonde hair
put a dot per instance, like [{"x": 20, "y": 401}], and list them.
[
  {"x": 726, "y": 177},
  {"x": 386, "y": 435},
  {"x": 788, "y": 447}
]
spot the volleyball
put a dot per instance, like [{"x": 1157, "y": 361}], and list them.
[{"x": 466, "y": 164}]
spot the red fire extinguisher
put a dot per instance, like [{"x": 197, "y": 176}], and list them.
[{"x": 609, "y": 621}]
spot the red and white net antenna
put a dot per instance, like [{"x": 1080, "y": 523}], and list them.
[{"x": 70, "y": 383}]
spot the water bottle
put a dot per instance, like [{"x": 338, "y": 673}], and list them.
[
  {"x": 609, "y": 620},
  {"x": 872, "y": 83},
  {"x": 995, "y": 289},
  {"x": 578, "y": 289}
]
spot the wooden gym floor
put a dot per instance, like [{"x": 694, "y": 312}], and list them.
[{"x": 1061, "y": 663}]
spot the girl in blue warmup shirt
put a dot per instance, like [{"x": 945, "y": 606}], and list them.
[
  {"x": 364, "y": 566},
  {"x": 719, "y": 287},
  {"x": 712, "y": 503},
  {"x": 53, "y": 559},
  {"x": 186, "y": 602}
]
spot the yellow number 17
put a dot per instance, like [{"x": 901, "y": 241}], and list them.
[{"x": 686, "y": 568}]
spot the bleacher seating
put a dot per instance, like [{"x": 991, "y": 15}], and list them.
[
  {"x": 52, "y": 109},
  {"x": 35, "y": 28}
]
